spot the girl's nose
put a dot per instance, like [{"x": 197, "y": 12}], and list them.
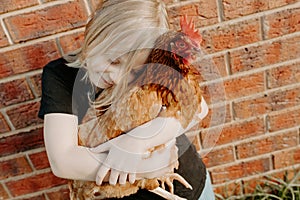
[{"x": 116, "y": 73}]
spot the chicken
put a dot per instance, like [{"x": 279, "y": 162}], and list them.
[{"x": 167, "y": 85}]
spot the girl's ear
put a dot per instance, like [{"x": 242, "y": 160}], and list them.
[{"x": 189, "y": 29}]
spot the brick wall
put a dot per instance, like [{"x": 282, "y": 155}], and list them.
[{"x": 253, "y": 89}]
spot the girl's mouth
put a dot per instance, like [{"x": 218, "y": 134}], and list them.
[{"x": 106, "y": 82}]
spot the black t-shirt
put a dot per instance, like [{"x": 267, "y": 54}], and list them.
[{"x": 64, "y": 90}]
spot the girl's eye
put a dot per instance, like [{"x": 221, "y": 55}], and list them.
[{"x": 115, "y": 62}]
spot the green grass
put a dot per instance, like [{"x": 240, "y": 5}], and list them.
[{"x": 272, "y": 189}]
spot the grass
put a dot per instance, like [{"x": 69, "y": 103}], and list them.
[{"x": 272, "y": 189}]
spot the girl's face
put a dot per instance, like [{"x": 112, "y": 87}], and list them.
[{"x": 105, "y": 72}]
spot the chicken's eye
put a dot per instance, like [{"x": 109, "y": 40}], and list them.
[{"x": 181, "y": 44}]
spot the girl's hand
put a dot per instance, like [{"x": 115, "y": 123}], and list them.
[
  {"x": 130, "y": 154},
  {"x": 129, "y": 157},
  {"x": 122, "y": 159},
  {"x": 128, "y": 160}
]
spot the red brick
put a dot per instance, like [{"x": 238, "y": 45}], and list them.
[
  {"x": 62, "y": 194},
  {"x": 265, "y": 54},
  {"x": 218, "y": 157},
  {"x": 286, "y": 175},
  {"x": 39, "y": 197},
  {"x": 282, "y": 23},
  {"x": 21, "y": 142},
  {"x": 25, "y": 115},
  {"x": 27, "y": 58},
  {"x": 286, "y": 158},
  {"x": 14, "y": 167},
  {"x": 212, "y": 68},
  {"x": 4, "y": 127},
  {"x": 3, "y": 38},
  {"x": 72, "y": 42},
  {"x": 194, "y": 10},
  {"x": 265, "y": 181},
  {"x": 250, "y": 185},
  {"x": 284, "y": 75},
  {"x": 36, "y": 83},
  {"x": 231, "y": 36},
  {"x": 284, "y": 99},
  {"x": 3, "y": 193},
  {"x": 217, "y": 115},
  {"x": 13, "y": 92},
  {"x": 214, "y": 92},
  {"x": 34, "y": 184},
  {"x": 229, "y": 190},
  {"x": 234, "y": 9},
  {"x": 267, "y": 145},
  {"x": 39, "y": 160},
  {"x": 244, "y": 86},
  {"x": 284, "y": 119},
  {"x": 240, "y": 170},
  {"x": 10, "y": 5},
  {"x": 47, "y": 21},
  {"x": 262, "y": 104},
  {"x": 232, "y": 132},
  {"x": 256, "y": 106}
]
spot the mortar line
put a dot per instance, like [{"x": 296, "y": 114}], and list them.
[
  {"x": 43, "y": 192},
  {"x": 21, "y": 154},
  {"x": 41, "y": 39},
  {"x": 10, "y": 124},
  {"x": 181, "y": 3},
  {"x": 252, "y": 16},
  {"x": 257, "y": 175},
  {"x": 253, "y": 138},
  {"x": 6, "y": 32},
  {"x": 17, "y": 131},
  {"x": 88, "y": 7},
  {"x": 30, "y": 84},
  {"x": 7, "y": 190},
  {"x": 250, "y": 139},
  {"x": 20, "y": 76},
  {"x": 33, "y": 8},
  {"x": 27, "y": 175},
  {"x": 220, "y": 11},
  {"x": 252, "y": 71},
  {"x": 249, "y": 159}
]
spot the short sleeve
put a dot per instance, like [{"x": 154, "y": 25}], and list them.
[{"x": 57, "y": 86}]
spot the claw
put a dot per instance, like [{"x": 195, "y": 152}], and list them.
[
  {"x": 168, "y": 180},
  {"x": 165, "y": 194}
]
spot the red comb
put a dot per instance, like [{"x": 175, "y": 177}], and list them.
[{"x": 189, "y": 29}]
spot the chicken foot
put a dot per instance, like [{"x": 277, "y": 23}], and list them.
[{"x": 168, "y": 180}]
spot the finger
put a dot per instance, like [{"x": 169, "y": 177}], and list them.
[
  {"x": 101, "y": 148},
  {"x": 113, "y": 178},
  {"x": 132, "y": 178},
  {"x": 101, "y": 174},
  {"x": 123, "y": 178}
]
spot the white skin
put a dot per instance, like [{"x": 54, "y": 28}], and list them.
[{"x": 104, "y": 163}]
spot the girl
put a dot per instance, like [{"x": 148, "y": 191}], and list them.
[{"x": 115, "y": 39}]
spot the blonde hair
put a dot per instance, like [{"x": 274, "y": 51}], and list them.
[{"x": 121, "y": 27}]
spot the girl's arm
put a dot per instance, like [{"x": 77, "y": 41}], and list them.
[
  {"x": 71, "y": 161},
  {"x": 67, "y": 159},
  {"x": 121, "y": 156}
]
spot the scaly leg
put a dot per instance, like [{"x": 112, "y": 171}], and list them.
[
  {"x": 165, "y": 194},
  {"x": 168, "y": 180}
]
